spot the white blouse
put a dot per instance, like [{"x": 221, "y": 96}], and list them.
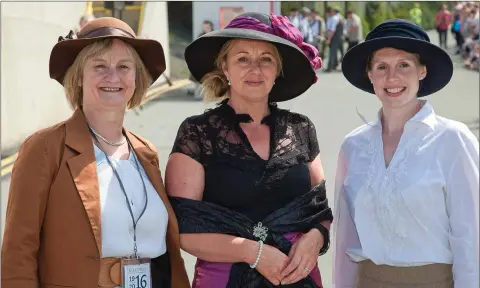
[
  {"x": 117, "y": 225},
  {"x": 421, "y": 209}
]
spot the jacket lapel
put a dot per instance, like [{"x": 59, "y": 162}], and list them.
[
  {"x": 83, "y": 168},
  {"x": 148, "y": 159}
]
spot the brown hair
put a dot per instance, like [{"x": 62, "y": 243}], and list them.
[
  {"x": 74, "y": 92},
  {"x": 215, "y": 83}
]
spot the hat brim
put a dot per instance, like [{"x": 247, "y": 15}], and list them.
[
  {"x": 65, "y": 52},
  {"x": 297, "y": 73},
  {"x": 438, "y": 62}
]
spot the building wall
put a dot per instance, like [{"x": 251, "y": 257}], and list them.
[
  {"x": 211, "y": 11},
  {"x": 30, "y": 100},
  {"x": 155, "y": 26}
]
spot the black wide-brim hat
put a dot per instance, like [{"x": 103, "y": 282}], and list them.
[
  {"x": 403, "y": 35},
  {"x": 298, "y": 74},
  {"x": 65, "y": 52}
]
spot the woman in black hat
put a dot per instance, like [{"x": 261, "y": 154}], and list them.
[
  {"x": 246, "y": 178},
  {"x": 406, "y": 197}
]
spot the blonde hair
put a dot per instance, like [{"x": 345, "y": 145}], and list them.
[
  {"x": 215, "y": 84},
  {"x": 74, "y": 92}
]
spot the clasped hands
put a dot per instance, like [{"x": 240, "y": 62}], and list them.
[{"x": 279, "y": 268}]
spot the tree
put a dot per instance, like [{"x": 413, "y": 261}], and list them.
[{"x": 377, "y": 12}]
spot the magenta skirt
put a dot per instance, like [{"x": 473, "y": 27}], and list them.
[{"x": 216, "y": 275}]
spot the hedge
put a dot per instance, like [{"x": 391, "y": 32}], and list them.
[{"x": 377, "y": 12}]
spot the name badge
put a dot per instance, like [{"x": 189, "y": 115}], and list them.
[{"x": 136, "y": 273}]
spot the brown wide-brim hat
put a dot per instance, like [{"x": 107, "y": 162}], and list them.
[{"x": 67, "y": 49}]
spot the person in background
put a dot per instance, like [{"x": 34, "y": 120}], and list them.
[
  {"x": 305, "y": 22},
  {"x": 207, "y": 26},
  {"x": 407, "y": 183},
  {"x": 470, "y": 32},
  {"x": 334, "y": 38},
  {"x": 442, "y": 22},
  {"x": 354, "y": 29},
  {"x": 317, "y": 27},
  {"x": 456, "y": 27},
  {"x": 340, "y": 31},
  {"x": 473, "y": 62},
  {"x": 295, "y": 18},
  {"x": 192, "y": 90},
  {"x": 416, "y": 14},
  {"x": 318, "y": 31},
  {"x": 83, "y": 21}
]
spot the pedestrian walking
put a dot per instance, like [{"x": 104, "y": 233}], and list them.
[
  {"x": 334, "y": 37},
  {"x": 442, "y": 23},
  {"x": 354, "y": 29},
  {"x": 416, "y": 14}
]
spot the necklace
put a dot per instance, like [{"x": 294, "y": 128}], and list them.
[{"x": 120, "y": 143}]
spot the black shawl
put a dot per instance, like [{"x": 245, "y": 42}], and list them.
[{"x": 300, "y": 215}]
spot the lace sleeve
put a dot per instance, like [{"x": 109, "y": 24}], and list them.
[
  {"x": 313, "y": 148},
  {"x": 188, "y": 140}
]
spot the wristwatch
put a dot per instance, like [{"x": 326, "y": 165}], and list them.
[{"x": 326, "y": 238}]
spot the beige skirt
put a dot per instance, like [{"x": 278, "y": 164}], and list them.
[{"x": 371, "y": 275}]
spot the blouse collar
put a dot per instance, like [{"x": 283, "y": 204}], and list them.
[
  {"x": 425, "y": 115},
  {"x": 246, "y": 118}
]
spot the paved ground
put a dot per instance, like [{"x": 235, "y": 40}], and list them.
[{"x": 331, "y": 104}]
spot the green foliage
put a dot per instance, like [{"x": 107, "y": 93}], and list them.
[
  {"x": 365, "y": 27},
  {"x": 377, "y": 12},
  {"x": 287, "y": 5},
  {"x": 402, "y": 10},
  {"x": 429, "y": 12}
]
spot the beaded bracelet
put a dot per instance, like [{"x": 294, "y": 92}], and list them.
[{"x": 258, "y": 255}]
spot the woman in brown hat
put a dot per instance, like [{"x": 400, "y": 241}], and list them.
[
  {"x": 87, "y": 206},
  {"x": 246, "y": 178}
]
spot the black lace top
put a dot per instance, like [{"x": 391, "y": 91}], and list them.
[{"x": 235, "y": 176}]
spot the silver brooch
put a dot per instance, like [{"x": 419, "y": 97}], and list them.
[{"x": 260, "y": 231}]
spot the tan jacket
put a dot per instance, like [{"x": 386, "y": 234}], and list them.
[{"x": 53, "y": 228}]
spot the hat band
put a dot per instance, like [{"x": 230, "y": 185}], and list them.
[
  {"x": 281, "y": 27},
  {"x": 389, "y": 31},
  {"x": 106, "y": 31}
]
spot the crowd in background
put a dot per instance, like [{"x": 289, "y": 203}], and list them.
[
  {"x": 332, "y": 33},
  {"x": 337, "y": 34},
  {"x": 465, "y": 25},
  {"x": 336, "y": 31}
]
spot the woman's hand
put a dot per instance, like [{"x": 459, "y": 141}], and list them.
[
  {"x": 271, "y": 264},
  {"x": 302, "y": 257}
]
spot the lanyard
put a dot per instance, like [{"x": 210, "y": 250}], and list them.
[{"x": 125, "y": 193}]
